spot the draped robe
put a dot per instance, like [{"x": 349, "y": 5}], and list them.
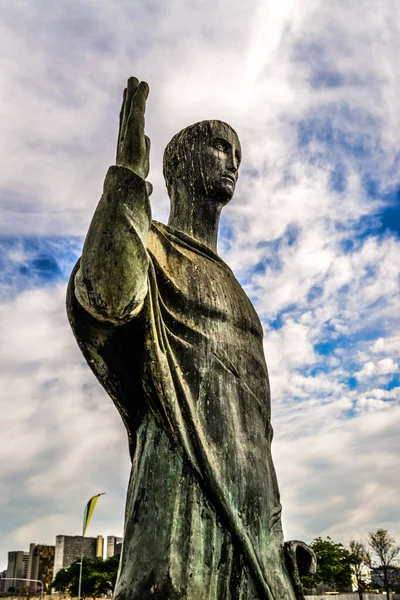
[{"x": 187, "y": 372}]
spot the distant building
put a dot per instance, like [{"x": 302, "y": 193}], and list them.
[
  {"x": 378, "y": 576},
  {"x": 69, "y": 548},
  {"x": 365, "y": 573},
  {"x": 114, "y": 545},
  {"x": 41, "y": 565},
  {"x": 118, "y": 548},
  {"x": 17, "y": 569},
  {"x": 25, "y": 561},
  {"x": 3, "y": 581}
]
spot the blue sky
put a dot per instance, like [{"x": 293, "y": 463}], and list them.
[{"x": 313, "y": 233}]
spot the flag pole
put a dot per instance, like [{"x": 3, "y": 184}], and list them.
[
  {"x": 80, "y": 572},
  {"x": 86, "y": 518}
]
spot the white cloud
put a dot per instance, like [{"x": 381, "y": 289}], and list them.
[
  {"x": 385, "y": 366},
  {"x": 62, "y": 440}
]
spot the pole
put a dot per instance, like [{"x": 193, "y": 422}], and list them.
[
  {"x": 86, "y": 518},
  {"x": 24, "y": 579},
  {"x": 80, "y": 572}
]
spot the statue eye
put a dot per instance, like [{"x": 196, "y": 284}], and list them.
[{"x": 220, "y": 144}]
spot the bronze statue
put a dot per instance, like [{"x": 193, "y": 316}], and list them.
[{"x": 176, "y": 343}]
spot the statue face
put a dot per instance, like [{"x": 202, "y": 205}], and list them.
[
  {"x": 217, "y": 165},
  {"x": 204, "y": 158}
]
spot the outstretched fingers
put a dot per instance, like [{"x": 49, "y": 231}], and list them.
[
  {"x": 131, "y": 87},
  {"x": 142, "y": 94},
  {"x": 133, "y": 146},
  {"x": 137, "y": 107},
  {"x": 121, "y": 130},
  {"x": 132, "y": 84},
  {"x": 127, "y": 98}
]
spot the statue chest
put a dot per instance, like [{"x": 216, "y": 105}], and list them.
[{"x": 204, "y": 293}]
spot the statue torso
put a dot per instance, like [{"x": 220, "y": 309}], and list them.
[{"x": 191, "y": 367}]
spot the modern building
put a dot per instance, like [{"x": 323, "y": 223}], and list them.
[
  {"x": 365, "y": 575},
  {"x": 114, "y": 545},
  {"x": 69, "y": 549},
  {"x": 41, "y": 565},
  {"x": 378, "y": 576},
  {"x": 25, "y": 561},
  {"x": 17, "y": 570},
  {"x": 3, "y": 582}
]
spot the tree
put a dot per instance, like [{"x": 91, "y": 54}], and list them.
[
  {"x": 63, "y": 579},
  {"x": 333, "y": 566},
  {"x": 98, "y": 577},
  {"x": 358, "y": 556},
  {"x": 382, "y": 558}
]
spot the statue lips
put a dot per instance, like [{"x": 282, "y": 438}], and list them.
[{"x": 230, "y": 178}]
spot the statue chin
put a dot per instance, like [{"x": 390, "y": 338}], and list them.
[{"x": 222, "y": 191}]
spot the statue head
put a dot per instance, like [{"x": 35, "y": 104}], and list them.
[{"x": 203, "y": 160}]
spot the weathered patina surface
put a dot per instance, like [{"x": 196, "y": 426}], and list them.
[{"x": 173, "y": 338}]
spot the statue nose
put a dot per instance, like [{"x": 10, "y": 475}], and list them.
[{"x": 233, "y": 163}]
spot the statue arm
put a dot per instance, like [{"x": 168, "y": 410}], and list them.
[{"x": 111, "y": 283}]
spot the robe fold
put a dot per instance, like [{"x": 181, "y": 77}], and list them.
[{"x": 188, "y": 375}]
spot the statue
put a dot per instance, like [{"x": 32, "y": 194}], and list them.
[{"x": 176, "y": 343}]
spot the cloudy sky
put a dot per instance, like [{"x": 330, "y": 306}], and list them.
[{"x": 313, "y": 233}]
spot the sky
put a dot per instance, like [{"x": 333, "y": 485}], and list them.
[{"x": 313, "y": 234}]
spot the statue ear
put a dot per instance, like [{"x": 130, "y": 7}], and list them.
[
  {"x": 173, "y": 171},
  {"x": 175, "y": 164}
]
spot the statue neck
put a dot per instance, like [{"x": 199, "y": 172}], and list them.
[{"x": 197, "y": 216}]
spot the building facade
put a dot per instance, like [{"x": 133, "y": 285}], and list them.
[
  {"x": 3, "y": 582},
  {"x": 41, "y": 565},
  {"x": 17, "y": 570},
  {"x": 378, "y": 576},
  {"x": 114, "y": 545},
  {"x": 69, "y": 548}
]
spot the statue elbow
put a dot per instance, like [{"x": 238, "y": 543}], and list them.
[{"x": 106, "y": 305}]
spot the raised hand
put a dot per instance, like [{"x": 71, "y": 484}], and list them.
[{"x": 133, "y": 146}]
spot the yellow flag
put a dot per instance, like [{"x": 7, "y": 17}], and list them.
[{"x": 89, "y": 511}]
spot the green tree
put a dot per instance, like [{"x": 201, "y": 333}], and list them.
[
  {"x": 98, "y": 577},
  {"x": 63, "y": 579},
  {"x": 333, "y": 566},
  {"x": 111, "y": 565},
  {"x": 382, "y": 558}
]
